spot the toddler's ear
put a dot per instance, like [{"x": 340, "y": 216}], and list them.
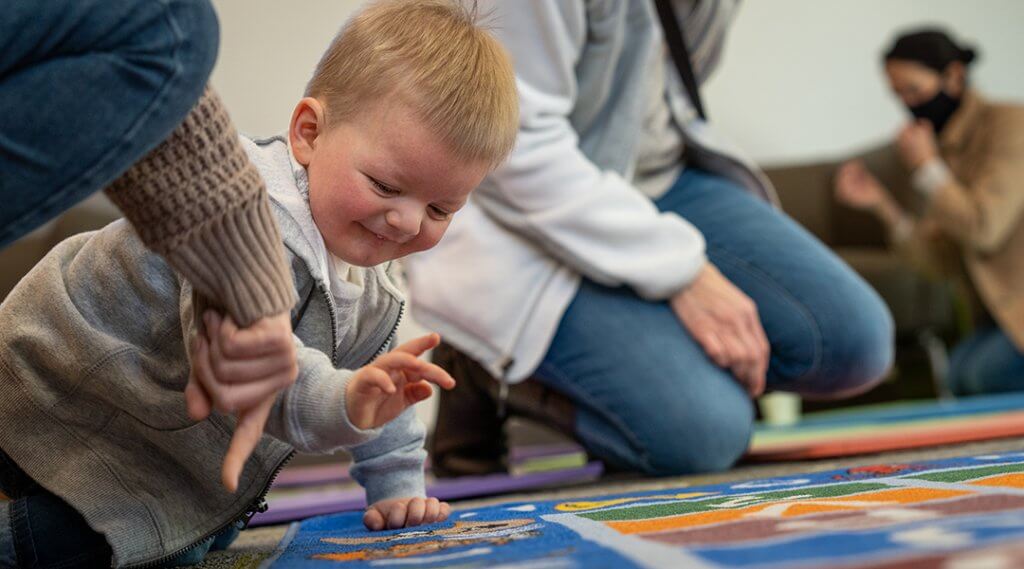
[{"x": 309, "y": 122}]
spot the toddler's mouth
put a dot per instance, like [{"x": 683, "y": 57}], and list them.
[{"x": 380, "y": 237}]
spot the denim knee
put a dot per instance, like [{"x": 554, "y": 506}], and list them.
[
  {"x": 869, "y": 347},
  {"x": 708, "y": 438},
  {"x": 857, "y": 346}
]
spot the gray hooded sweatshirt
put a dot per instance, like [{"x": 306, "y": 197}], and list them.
[{"x": 93, "y": 367}]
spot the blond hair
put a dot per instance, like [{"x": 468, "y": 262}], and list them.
[{"x": 456, "y": 76}]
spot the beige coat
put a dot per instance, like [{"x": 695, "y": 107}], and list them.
[{"x": 981, "y": 207}]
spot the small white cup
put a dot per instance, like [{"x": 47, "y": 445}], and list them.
[{"x": 780, "y": 409}]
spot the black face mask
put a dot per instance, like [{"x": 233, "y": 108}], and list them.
[{"x": 937, "y": 110}]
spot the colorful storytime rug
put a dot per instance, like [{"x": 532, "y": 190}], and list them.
[
  {"x": 962, "y": 512},
  {"x": 892, "y": 426}
]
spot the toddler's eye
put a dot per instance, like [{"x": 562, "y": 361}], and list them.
[
  {"x": 438, "y": 213},
  {"x": 383, "y": 189}
]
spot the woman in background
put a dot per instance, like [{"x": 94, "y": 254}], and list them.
[{"x": 966, "y": 160}]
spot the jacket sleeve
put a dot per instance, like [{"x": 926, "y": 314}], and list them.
[
  {"x": 311, "y": 414},
  {"x": 391, "y": 465},
  {"x": 591, "y": 219},
  {"x": 983, "y": 213}
]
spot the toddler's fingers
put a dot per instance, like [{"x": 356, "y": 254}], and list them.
[
  {"x": 446, "y": 511},
  {"x": 416, "y": 392},
  {"x": 416, "y": 368},
  {"x": 228, "y": 397},
  {"x": 396, "y": 517},
  {"x": 438, "y": 376},
  {"x": 203, "y": 370},
  {"x": 247, "y": 435},
  {"x": 373, "y": 519},
  {"x": 234, "y": 397},
  {"x": 212, "y": 321},
  {"x": 374, "y": 377},
  {"x": 432, "y": 511},
  {"x": 416, "y": 512},
  {"x": 417, "y": 346}
]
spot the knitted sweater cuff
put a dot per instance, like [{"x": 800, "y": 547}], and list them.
[
  {"x": 198, "y": 201},
  {"x": 238, "y": 261}
]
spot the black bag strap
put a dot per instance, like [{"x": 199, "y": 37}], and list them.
[{"x": 680, "y": 55}]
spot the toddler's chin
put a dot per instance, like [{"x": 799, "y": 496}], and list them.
[{"x": 365, "y": 261}]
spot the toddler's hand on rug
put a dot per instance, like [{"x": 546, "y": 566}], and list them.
[
  {"x": 380, "y": 391},
  {"x": 405, "y": 512}
]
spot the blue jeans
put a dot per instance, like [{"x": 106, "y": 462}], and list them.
[
  {"x": 41, "y": 531},
  {"x": 986, "y": 362},
  {"x": 649, "y": 399},
  {"x": 87, "y": 87}
]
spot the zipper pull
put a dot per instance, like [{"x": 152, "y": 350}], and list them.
[{"x": 258, "y": 508}]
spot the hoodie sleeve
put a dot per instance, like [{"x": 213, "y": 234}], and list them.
[{"x": 590, "y": 219}]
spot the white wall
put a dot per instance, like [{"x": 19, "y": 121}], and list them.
[
  {"x": 800, "y": 79},
  {"x": 268, "y": 51}
]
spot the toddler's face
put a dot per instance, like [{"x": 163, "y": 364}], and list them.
[{"x": 381, "y": 186}]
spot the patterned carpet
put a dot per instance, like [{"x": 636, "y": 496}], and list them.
[
  {"x": 885, "y": 515},
  {"x": 255, "y": 545}
]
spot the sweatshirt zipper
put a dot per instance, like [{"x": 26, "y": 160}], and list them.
[
  {"x": 259, "y": 505},
  {"x": 393, "y": 333}
]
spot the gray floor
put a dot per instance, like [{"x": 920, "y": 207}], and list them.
[{"x": 255, "y": 544}]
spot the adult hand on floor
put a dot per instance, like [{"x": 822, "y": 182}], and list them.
[
  {"x": 240, "y": 371},
  {"x": 725, "y": 323}
]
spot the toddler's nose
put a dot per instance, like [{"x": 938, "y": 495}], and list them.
[{"x": 405, "y": 221}]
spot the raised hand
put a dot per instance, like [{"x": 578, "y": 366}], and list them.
[
  {"x": 856, "y": 187},
  {"x": 397, "y": 380},
  {"x": 917, "y": 144}
]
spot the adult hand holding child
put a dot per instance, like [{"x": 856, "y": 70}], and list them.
[{"x": 240, "y": 371}]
